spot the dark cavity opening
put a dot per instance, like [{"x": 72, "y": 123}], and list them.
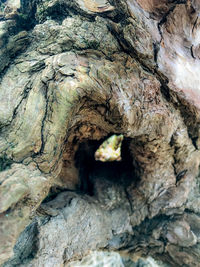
[{"x": 94, "y": 173}]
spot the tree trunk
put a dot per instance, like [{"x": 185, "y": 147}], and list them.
[{"x": 74, "y": 72}]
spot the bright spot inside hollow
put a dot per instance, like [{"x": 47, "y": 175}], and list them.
[{"x": 110, "y": 149}]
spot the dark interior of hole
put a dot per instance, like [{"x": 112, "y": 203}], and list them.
[
  {"x": 119, "y": 172},
  {"x": 53, "y": 192}
]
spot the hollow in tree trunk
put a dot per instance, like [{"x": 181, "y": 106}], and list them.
[{"x": 73, "y": 73}]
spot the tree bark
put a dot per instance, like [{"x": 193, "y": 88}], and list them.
[{"x": 72, "y": 74}]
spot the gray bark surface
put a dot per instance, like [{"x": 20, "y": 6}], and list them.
[{"x": 72, "y": 74}]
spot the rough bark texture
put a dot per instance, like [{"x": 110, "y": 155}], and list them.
[{"x": 72, "y": 73}]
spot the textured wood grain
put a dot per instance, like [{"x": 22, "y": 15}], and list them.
[{"x": 70, "y": 79}]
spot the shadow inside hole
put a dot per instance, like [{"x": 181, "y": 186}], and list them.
[{"x": 106, "y": 173}]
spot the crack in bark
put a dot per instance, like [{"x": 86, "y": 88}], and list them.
[
  {"x": 191, "y": 51},
  {"x": 195, "y": 23},
  {"x": 129, "y": 199},
  {"x": 129, "y": 50},
  {"x": 165, "y": 16},
  {"x": 43, "y": 122}
]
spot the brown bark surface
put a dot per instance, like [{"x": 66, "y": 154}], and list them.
[{"x": 72, "y": 74}]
